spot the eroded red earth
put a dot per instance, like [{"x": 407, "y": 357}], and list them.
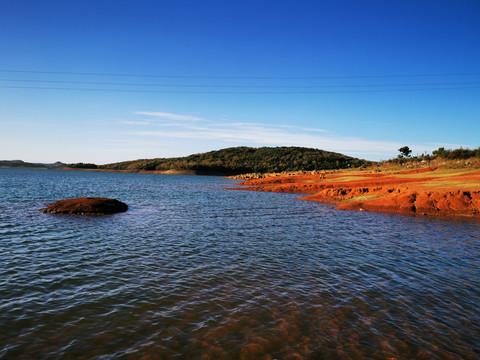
[{"x": 437, "y": 191}]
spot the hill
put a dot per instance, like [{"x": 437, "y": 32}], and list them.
[
  {"x": 241, "y": 160},
  {"x": 23, "y": 164}
]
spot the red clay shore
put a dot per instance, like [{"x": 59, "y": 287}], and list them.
[{"x": 441, "y": 189}]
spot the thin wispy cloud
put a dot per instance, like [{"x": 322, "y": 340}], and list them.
[
  {"x": 236, "y": 132},
  {"x": 194, "y": 128},
  {"x": 129, "y": 122},
  {"x": 303, "y": 128},
  {"x": 277, "y": 138},
  {"x": 176, "y": 118},
  {"x": 273, "y": 126},
  {"x": 269, "y": 135},
  {"x": 170, "y": 116}
]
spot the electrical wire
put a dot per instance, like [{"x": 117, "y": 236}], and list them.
[
  {"x": 230, "y": 92},
  {"x": 237, "y": 86},
  {"x": 235, "y": 77}
]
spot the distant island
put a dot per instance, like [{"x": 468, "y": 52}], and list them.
[
  {"x": 23, "y": 164},
  {"x": 238, "y": 160}
]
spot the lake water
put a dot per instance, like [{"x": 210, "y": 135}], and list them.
[{"x": 193, "y": 271}]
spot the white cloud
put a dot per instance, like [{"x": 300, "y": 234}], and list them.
[
  {"x": 303, "y": 128},
  {"x": 187, "y": 130},
  {"x": 274, "y": 126},
  {"x": 275, "y": 135},
  {"x": 170, "y": 116},
  {"x": 128, "y": 122}
]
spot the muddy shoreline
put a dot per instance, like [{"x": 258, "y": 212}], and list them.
[{"x": 440, "y": 190}]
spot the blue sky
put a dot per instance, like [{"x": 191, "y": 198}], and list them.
[{"x": 104, "y": 81}]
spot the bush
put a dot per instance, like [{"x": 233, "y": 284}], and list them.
[
  {"x": 82, "y": 166},
  {"x": 461, "y": 154}
]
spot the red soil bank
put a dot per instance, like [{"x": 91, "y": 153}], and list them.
[
  {"x": 437, "y": 191},
  {"x": 405, "y": 200}
]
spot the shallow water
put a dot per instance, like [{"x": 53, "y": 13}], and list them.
[{"x": 193, "y": 271}]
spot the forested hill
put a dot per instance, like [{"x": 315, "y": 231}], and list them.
[{"x": 241, "y": 160}]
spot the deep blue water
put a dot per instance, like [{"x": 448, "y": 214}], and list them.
[{"x": 193, "y": 271}]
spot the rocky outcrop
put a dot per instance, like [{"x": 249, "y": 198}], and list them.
[{"x": 87, "y": 206}]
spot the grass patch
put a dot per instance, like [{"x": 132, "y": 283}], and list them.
[
  {"x": 449, "y": 184},
  {"x": 348, "y": 178},
  {"x": 364, "y": 198}
]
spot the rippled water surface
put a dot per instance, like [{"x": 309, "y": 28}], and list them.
[{"x": 193, "y": 271}]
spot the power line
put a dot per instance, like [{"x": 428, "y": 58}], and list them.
[
  {"x": 232, "y": 92},
  {"x": 235, "y": 77},
  {"x": 238, "y": 86}
]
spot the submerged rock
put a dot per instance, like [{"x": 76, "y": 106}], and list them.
[{"x": 87, "y": 206}]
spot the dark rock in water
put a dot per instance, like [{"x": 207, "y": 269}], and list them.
[{"x": 87, "y": 206}]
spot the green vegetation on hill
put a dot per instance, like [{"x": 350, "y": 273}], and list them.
[
  {"x": 457, "y": 153},
  {"x": 440, "y": 153},
  {"x": 241, "y": 160},
  {"x": 83, "y": 166}
]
